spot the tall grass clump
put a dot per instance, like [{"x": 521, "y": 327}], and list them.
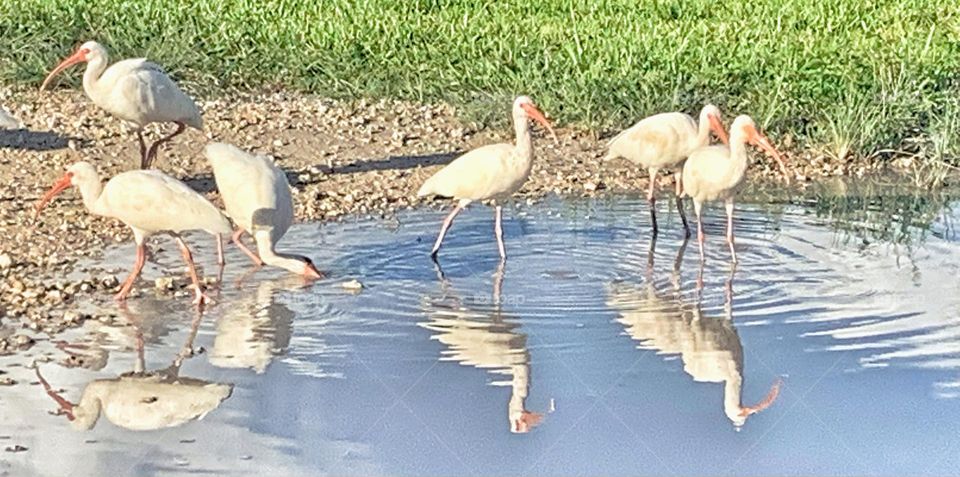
[{"x": 847, "y": 77}]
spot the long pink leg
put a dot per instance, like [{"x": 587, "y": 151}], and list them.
[
  {"x": 498, "y": 231},
  {"x": 729, "y": 207},
  {"x": 697, "y": 207},
  {"x": 152, "y": 153},
  {"x": 199, "y": 298},
  {"x": 237, "y": 236},
  {"x": 652, "y": 200},
  {"x": 443, "y": 229},
  {"x": 683, "y": 216},
  {"x": 137, "y": 267}
]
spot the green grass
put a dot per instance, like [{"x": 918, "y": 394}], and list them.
[{"x": 845, "y": 77}]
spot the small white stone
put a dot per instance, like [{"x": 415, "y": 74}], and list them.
[{"x": 352, "y": 285}]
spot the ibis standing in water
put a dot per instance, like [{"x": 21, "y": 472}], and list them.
[
  {"x": 664, "y": 141},
  {"x": 257, "y": 197},
  {"x": 148, "y": 202},
  {"x": 494, "y": 172},
  {"x": 136, "y": 91},
  {"x": 716, "y": 172}
]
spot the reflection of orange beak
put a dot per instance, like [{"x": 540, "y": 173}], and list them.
[
  {"x": 57, "y": 188},
  {"x": 312, "y": 273},
  {"x": 767, "y": 401},
  {"x": 717, "y": 127},
  {"x": 79, "y": 57},
  {"x": 762, "y": 142},
  {"x": 527, "y": 421},
  {"x": 537, "y": 115}
]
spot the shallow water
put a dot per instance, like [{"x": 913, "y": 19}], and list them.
[{"x": 609, "y": 353}]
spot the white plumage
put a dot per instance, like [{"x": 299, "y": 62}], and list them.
[
  {"x": 134, "y": 90},
  {"x": 8, "y": 121},
  {"x": 257, "y": 197},
  {"x": 716, "y": 172},
  {"x": 492, "y": 172},
  {"x": 149, "y": 202},
  {"x": 663, "y": 141}
]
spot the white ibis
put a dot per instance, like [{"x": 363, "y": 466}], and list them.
[
  {"x": 8, "y": 121},
  {"x": 709, "y": 347},
  {"x": 149, "y": 202},
  {"x": 494, "y": 172},
  {"x": 136, "y": 91},
  {"x": 484, "y": 339},
  {"x": 716, "y": 172},
  {"x": 664, "y": 141},
  {"x": 142, "y": 400},
  {"x": 257, "y": 197}
]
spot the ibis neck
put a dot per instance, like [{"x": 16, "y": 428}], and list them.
[
  {"x": 703, "y": 132},
  {"x": 732, "y": 390},
  {"x": 265, "y": 248},
  {"x": 91, "y": 77},
  {"x": 87, "y": 411},
  {"x": 520, "y": 387},
  {"x": 521, "y": 126},
  {"x": 90, "y": 192},
  {"x": 738, "y": 151}
]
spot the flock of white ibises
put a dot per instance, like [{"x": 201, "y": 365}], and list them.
[{"x": 257, "y": 196}]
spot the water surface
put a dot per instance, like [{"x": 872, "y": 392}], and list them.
[{"x": 591, "y": 351}]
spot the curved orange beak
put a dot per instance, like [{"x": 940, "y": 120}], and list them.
[
  {"x": 717, "y": 127},
  {"x": 79, "y": 57},
  {"x": 58, "y": 187},
  {"x": 762, "y": 142},
  {"x": 537, "y": 115}
]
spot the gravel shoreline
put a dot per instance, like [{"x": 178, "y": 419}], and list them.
[{"x": 342, "y": 157}]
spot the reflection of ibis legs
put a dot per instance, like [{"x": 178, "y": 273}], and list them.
[
  {"x": 137, "y": 267},
  {"x": 443, "y": 228},
  {"x": 729, "y": 207},
  {"x": 498, "y": 231},
  {"x": 683, "y": 215}
]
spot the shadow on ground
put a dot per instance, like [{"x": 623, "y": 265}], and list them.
[
  {"x": 25, "y": 139},
  {"x": 396, "y": 163},
  {"x": 204, "y": 183}
]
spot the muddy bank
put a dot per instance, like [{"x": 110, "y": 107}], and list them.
[{"x": 342, "y": 158}]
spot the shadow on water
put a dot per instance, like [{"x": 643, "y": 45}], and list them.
[{"x": 34, "y": 140}]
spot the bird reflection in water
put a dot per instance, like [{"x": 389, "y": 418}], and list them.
[
  {"x": 709, "y": 347},
  {"x": 144, "y": 400},
  {"x": 484, "y": 338},
  {"x": 256, "y": 328}
]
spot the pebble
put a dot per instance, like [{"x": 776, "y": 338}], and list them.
[{"x": 352, "y": 285}]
